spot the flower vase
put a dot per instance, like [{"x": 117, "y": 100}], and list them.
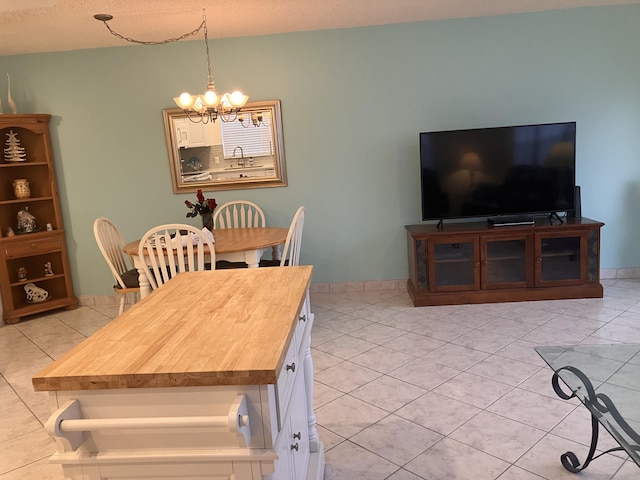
[{"x": 207, "y": 221}]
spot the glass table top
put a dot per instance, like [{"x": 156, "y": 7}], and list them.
[{"x": 606, "y": 379}]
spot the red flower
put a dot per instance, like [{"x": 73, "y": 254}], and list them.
[{"x": 202, "y": 206}]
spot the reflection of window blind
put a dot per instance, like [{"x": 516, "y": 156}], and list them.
[{"x": 255, "y": 141}]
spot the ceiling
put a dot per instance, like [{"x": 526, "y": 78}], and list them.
[{"x": 29, "y": 26}]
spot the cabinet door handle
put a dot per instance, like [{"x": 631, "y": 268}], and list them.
[
  {"x": 292, "y": 367},
  {"x": 297, "y": 436},
  {"x": 302, "y": 318},
  {"x": 294, "y": 447}
]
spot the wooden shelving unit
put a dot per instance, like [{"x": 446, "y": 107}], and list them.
[{"x": 32, "y": 250}]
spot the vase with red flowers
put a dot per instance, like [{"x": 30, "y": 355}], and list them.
[{"x": 203, "y": 207}]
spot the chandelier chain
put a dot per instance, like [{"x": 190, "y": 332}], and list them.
[
  {"x": 161, "y": 42},
  {"x": 206, "y": 43}
]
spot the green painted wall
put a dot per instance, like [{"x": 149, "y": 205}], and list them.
[{"x": 353, "y": 103}]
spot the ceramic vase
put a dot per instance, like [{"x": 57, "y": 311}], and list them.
[{"x": 21, "y": 188}]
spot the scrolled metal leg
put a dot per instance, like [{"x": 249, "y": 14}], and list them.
[
  {"x": 597, "y": 405},
  {"x": 570, "y": 460}
]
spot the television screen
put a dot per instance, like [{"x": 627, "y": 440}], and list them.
[{"x": 516, "y": 170}]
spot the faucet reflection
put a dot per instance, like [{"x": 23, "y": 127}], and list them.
[{"x": 233, "y": 155}]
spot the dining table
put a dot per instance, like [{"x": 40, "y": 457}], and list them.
[{"x": 232, "y": 244}]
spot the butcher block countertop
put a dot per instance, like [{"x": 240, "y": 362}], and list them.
[{"x": 223, "y": 327}]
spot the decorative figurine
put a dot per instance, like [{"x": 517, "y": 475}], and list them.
[
  {"x": 10, "y": 232},
  {"x": 48, "y": 271},
  {"x": 22, "y": 274},
  {"x": 12, "y": 104},
  {"x": 26, "y": 221},
  {"x": 14, "y": 152}
]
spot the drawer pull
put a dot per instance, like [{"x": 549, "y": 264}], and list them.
[
  {"x": 302, "y": 318},
  {"x": 292, "y": 367},
  {"x": 294, "y": 447},
  {"x": 297, "y": 436},
  {"x": 34, "y": 245}
]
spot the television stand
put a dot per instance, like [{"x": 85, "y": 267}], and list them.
[
  {"x": 473, "y": 262},
  {"x": 508, "y": 220}
]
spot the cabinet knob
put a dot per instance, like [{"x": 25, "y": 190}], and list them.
[
  {"x": 302, "y": 318},
  {"x": 33, "y": 245},
  {"x": 292, "y": 367},
  {"x": 294, "y": 447},
  {"x": 297, "y": 436}
]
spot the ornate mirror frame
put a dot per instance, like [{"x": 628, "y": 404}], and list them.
[{"x": 227, "y": 156}]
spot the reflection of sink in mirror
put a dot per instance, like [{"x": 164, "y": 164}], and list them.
[{"x": 245, "y": 168}]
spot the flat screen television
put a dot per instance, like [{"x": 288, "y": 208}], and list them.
[{"x": 485, "y": 172}]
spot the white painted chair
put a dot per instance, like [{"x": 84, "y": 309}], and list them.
[
  {"x": 110, "y": 243},
  {"x": 291, "y": 252},
  {"x": 238, "y": 214},
  {"x": 173, "y": 248}
]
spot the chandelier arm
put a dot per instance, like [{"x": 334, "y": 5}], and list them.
[{"x": 105, "y": 18}]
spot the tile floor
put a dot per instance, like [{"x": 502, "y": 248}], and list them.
[{"x": 401, "y": 393}]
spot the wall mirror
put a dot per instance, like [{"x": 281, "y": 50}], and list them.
[{"x": 245, "y": 153}]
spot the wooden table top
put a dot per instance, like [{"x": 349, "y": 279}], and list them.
[
  {"x": 232, "y": 240},
  {"x": 220, "y": 327}
]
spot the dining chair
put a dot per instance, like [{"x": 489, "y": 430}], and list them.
[
  {"x": 238, "y": 214},
  {"x": 173, "y": 248},
  {"x": 110, "y": 243},
  {"x": 291, "y": 252}
]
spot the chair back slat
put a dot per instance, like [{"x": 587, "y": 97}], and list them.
[{"x": 239, "y": 214}]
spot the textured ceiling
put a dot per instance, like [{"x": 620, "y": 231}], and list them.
[{"x": 28, "y": 26}]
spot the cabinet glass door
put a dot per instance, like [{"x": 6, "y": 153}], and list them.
[
  {"x": 455, "y": 264},
  {"x": 505, "y": 261},
  {"x": 559, "y": 259}
]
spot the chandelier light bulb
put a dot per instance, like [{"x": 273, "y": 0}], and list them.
[
  {"x": 185, "y": 100},
  {"x": 238, "y": 99},
  {"x": 211, "y": 98}
]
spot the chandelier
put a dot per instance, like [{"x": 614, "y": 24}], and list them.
[{"x": 206, "y": 107}]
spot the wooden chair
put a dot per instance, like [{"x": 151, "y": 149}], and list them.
[
  {"x": 238, "y": 214},
  {"x": 111, "y": 242},
  {"x": 291, "y": 252},
  {"x": 173, "y": 248}
]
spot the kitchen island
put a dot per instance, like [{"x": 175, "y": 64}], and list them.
[{"x": 209, "y": 377}]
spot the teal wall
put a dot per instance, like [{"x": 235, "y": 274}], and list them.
[{"x": 353, "y": 103}]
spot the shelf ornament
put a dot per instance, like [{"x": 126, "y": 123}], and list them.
[
  {"x": 13, "y": 152},
  {"x": 26, "y": 221}
]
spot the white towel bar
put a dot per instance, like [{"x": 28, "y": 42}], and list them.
[
  {"x": 89, "y": 424},
  {"x": 68, "y": 426}
]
